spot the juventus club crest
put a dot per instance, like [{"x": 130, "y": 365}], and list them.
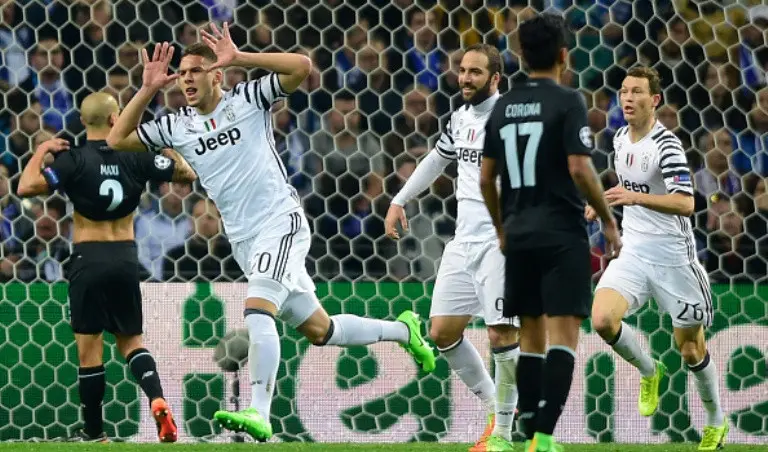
[
  {"x": 645, "y": 161},
  {"x": 188, "y": 123},
  {"x": 229, "y": 112}
]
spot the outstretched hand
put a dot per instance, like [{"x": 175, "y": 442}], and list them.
[
  {"x": 395, "y": 215},
  {"x": 222, "y": 45},
  {"x": 156, "y": 74}
]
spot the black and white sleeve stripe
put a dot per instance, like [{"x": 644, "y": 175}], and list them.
[
  {"x": 673, "y": 164},
  {"x": 262, "y": 92},
  {"x": 617, "y": 137},
  {"x": 158, "y": 133},
  {"x": 444, "y": 145}
]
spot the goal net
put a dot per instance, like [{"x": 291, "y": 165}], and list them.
[{"x": 383, "y": 84}]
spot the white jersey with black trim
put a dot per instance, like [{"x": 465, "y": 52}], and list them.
[
  {"x": 656, "y": 164},
  {"x": 233, "y": 152},
  {"x": 463, "y": 140}
]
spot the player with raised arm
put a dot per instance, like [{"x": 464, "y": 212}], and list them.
[
  {"x": 470, "y": 281},
  {"x": 105, "y": 187},
  {"x": 538, "y": 139},
  {"x": 659, "y": 257},
  {"x": 227, "y": 138}
]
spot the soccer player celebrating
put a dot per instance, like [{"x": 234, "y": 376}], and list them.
[
  {"x": 105, "y": 188},
  {"x": 470, "y": 280},
  {"x": 659, "y": 257},
  {"x": 227, "y": 139},
  {"x": 537, "y": 137}
]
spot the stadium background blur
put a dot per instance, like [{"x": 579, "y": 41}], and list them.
[{"x": 384, "y": 83}]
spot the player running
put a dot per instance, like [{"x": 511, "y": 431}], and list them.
[
  {"x": 227, "y": 138},
  {"x": 470, "y": 281},
  {"x": 659, "y": 256},
  {"x": 105, "y": 188},
  {"x": 538, "y": 139}
]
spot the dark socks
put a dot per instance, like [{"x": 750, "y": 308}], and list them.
[
  {"x": 558, "y": 377},
  {"x": 144, "y": 370},
  {"x": 530, "y": 374},
  {"x": 92, "y": 384}
]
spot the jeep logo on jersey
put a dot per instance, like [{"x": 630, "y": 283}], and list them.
[
  {"x": 471, "y": 156},
  {"x": 634, "y": 186},
  {"x": 231, "y": 136}
]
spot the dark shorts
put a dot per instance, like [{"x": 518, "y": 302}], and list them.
[
  {"x": 554, "y": 280},
  {"x": 104, "y": 292}
]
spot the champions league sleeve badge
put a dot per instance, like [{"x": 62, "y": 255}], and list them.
[
  {"x": 585, "y": 135},
  {"x": 162, "y": 162}
]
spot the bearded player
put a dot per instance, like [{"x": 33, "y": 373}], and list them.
[
  {"x": 470, "y": 281},
  {"x": 227, "y": 138},
  {"x": 659, "y": 255}
]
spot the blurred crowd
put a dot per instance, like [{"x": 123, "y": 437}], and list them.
[{"x": 383, "y": 84}]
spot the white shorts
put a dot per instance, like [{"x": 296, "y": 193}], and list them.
[
  {"x": 470, "y": 281},
  {"x": 681, "y": 291},
  {"x": 274, "y": 263}
]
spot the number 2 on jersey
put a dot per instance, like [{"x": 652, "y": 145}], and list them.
[
  {"x": 509, "y": 134},
  {"x": 113, "y": 189}
]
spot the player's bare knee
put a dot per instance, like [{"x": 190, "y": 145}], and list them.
[
  {"x": 502, "y": 335},
  {"x": 446, "y": 331},
  {"x": 693, "y": 353},
  {"x": 317, "y": 335},
  {"x": 691, "y": 343},
  {"x": 90, "y": 348},
  {"x": 127, "y": 344},
  {"x": 606, "y": 325},
  {"x": 89, "y": 357},
  {"x": 533, "y": 335},
  {"x": 564, "y": 331},
  {"x": 443, "y": 337},
  {"x": 607, "y": 312},
  {"x": 318, "y": 328}
]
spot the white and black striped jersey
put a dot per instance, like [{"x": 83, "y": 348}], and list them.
[
  {"x": 463, "y": 140},
  {"x": 233, "y": 152},
  {"x": 656, "y": 165}
]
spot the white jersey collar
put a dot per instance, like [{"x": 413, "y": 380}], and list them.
[{"x": 657, "y": 125}]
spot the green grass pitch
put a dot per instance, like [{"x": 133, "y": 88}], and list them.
[{"x": 315, "y": 447}]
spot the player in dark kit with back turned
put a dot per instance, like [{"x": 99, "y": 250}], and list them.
[
  {"x": 538, "y": 140},
  {"x": 104, "y": 295}
]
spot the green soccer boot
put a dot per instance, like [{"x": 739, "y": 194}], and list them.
[
  {"x": 714, "y": 437},
  {"x": 248, "y": 421},
  {"x": 496, "y": 443},
  {"x": 417, "y": 347},
  {"x": 543, "y": 443},
  {"x": 648, "y": 400}
]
